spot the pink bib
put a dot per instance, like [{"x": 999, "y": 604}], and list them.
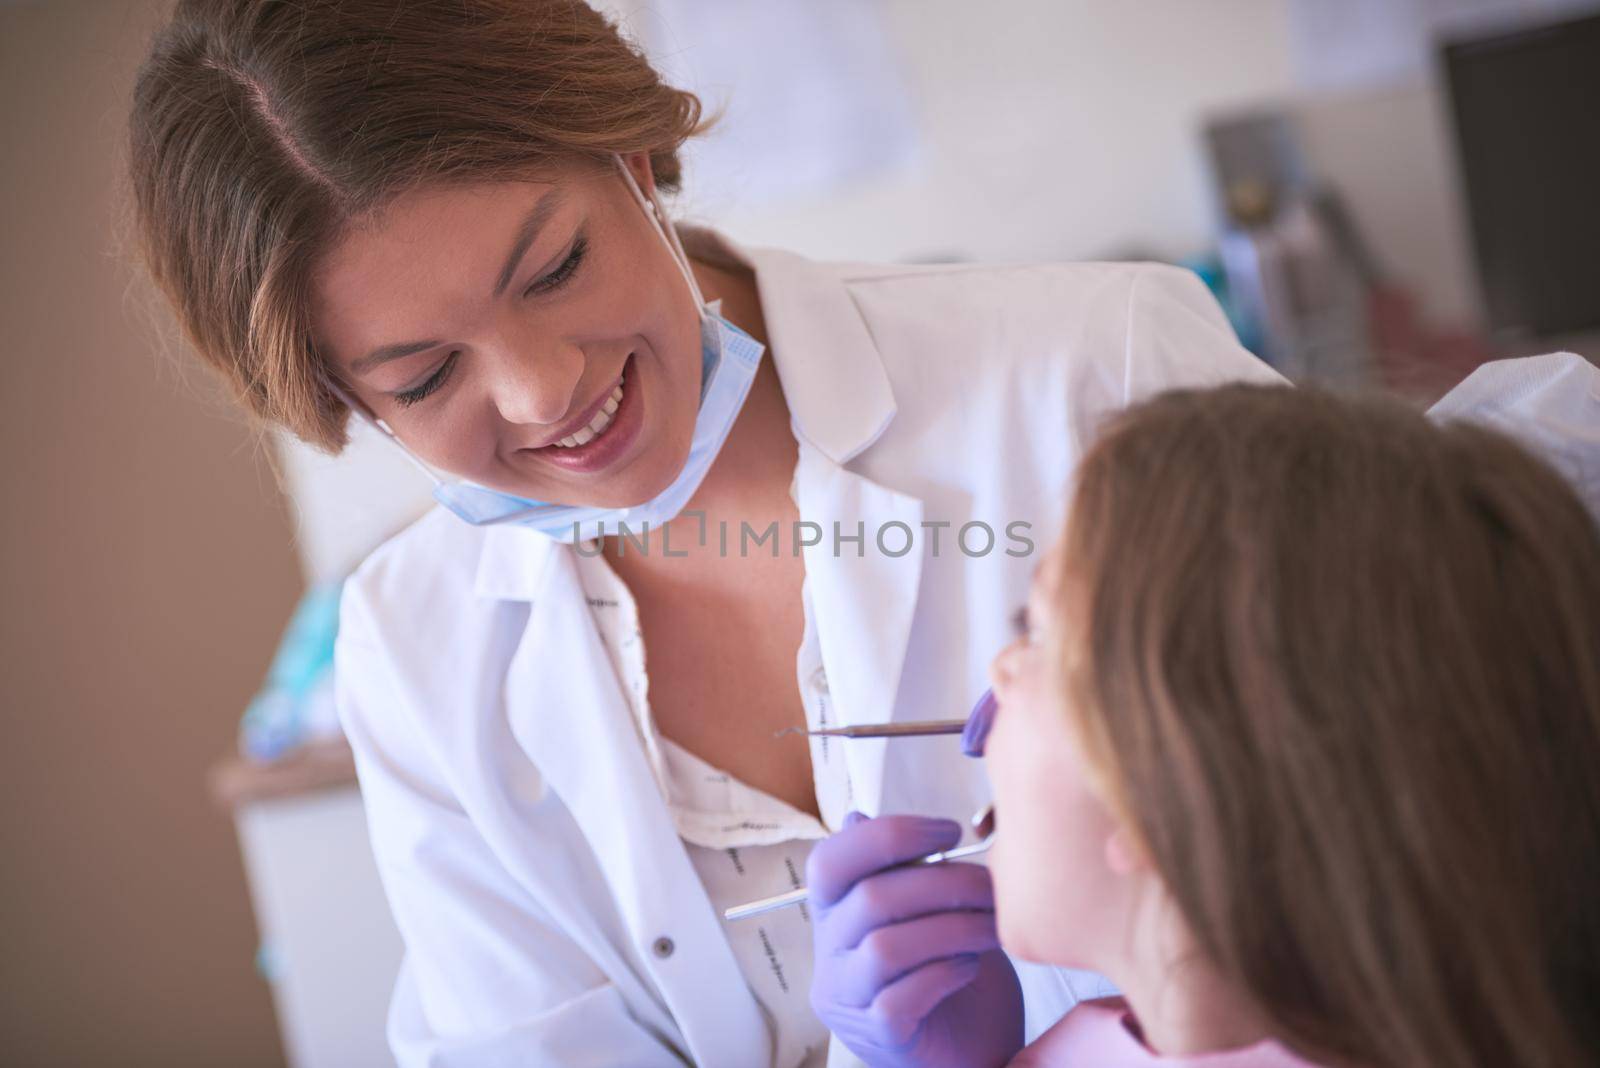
[{"x": 1104, "y": 1033}]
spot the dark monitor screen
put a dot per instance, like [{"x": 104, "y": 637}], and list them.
[{"x": 1527, "y": 118}]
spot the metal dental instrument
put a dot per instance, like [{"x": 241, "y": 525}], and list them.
[
  {"x": 883, "y": 730},
  {"x": 982, "y": 826}
]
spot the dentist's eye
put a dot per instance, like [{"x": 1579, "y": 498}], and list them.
[
  {"x": 560, "y": 276},
  {"x": 435, "y": 380}
]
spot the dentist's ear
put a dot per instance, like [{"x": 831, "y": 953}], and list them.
[{"x": 638, "y": 164}]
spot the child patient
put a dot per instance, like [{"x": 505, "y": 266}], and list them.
[{"x": 1301, "y": 745}]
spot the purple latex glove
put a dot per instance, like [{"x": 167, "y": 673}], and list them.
[
  {"x": 908, "y": 967},
  {"x": 976, "y": 733}
]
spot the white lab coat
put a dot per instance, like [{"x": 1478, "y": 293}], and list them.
[
  {"x": 1549, "y": 404},
  {"x": 550, "y": 913}
]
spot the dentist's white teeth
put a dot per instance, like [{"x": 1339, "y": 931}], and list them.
[{"x": 597, "y": 425}]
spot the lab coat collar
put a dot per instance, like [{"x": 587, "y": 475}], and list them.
[
  {"x": 833, "y": 380},
  {"x": 573, "y": 726},
  {"x": 512, "y": 562},
  {"x": 864, "y": 601},
  {"x": 840, "y": 403}
]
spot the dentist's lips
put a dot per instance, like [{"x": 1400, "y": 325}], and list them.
[{"x": 613, "y": 440}]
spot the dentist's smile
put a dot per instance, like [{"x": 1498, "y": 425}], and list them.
[{"x": 599, "y": 436}]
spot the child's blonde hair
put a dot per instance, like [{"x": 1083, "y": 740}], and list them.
[{"x": 1340, "y": 668}]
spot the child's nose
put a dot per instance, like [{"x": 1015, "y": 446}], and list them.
[{"x": 1003, "y": 667}]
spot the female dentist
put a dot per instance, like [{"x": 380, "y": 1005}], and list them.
[{"x": 443, "y": 217}]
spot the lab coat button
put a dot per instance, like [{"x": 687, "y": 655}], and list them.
[{"x": 663, "y": 947}]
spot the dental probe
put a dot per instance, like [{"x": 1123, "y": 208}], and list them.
[{"x": 883, "y": 730}]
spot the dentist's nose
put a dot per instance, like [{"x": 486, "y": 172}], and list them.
[{"x": 536, "y": 386}]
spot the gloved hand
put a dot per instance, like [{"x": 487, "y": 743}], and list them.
[{"x": 908, "y": 968}]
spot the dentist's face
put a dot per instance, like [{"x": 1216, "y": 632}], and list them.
[{"x": 534, "y": 337}]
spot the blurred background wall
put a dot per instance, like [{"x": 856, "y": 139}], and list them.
[
  {"x": 146, "y": 569},
  {"x": 1037, "y": 131},
  {"x": 151, "y": 556}
]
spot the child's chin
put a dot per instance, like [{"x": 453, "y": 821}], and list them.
[
  {"x": 1038, "y": 934},
  {"x": 1018, "y": 937}
]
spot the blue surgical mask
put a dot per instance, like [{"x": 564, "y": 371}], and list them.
[{"x": 729, "y": 359}]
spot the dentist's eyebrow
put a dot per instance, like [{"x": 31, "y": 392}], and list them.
[
  {"x": 389, "y": 352},
  {"x": 527, "y": 234}
]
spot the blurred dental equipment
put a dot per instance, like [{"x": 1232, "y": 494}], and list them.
[{"x": 983, "y": 825}]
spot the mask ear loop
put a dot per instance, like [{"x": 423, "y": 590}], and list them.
[
  {"x": 375, "y": 423},
  {"x": 669, "y": 233}
]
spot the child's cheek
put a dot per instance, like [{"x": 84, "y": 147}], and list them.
[{"x": 1013, "y": 861}]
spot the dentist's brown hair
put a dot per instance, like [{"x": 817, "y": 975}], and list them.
[
  {"x": 1341, "y": 676},
  {"x": 262, "y": 129}
]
